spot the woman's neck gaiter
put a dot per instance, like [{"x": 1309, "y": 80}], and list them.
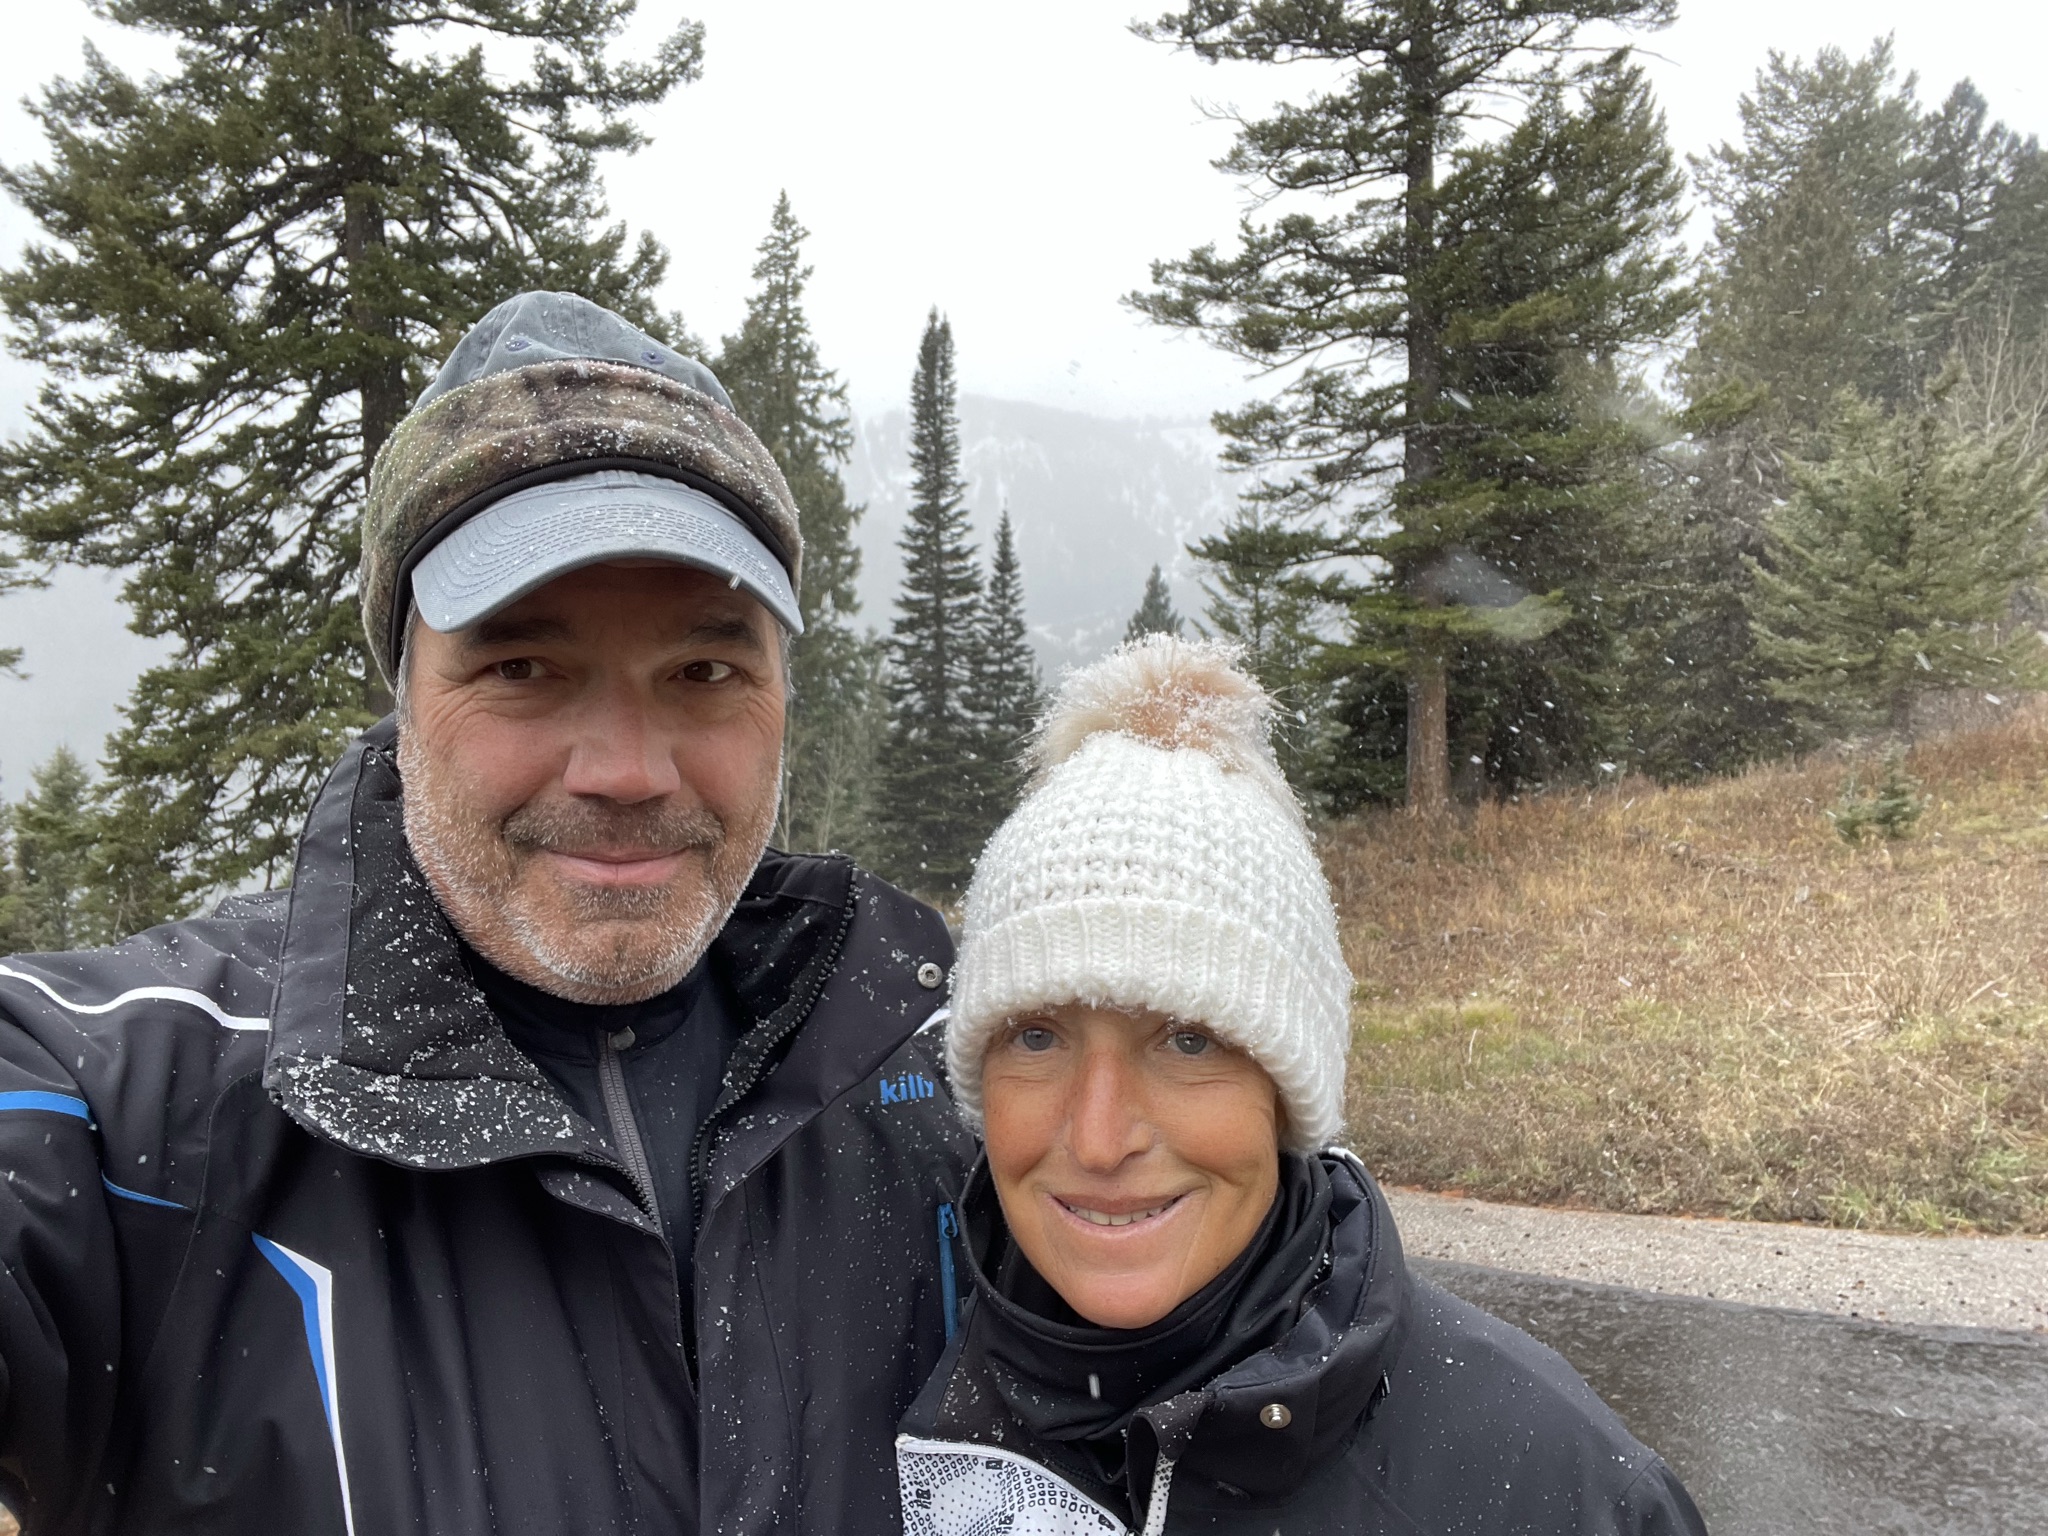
[{"x": 1069, "y": 1380}]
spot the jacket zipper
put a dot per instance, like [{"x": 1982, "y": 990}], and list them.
[{"x": 618, "y": 1107}]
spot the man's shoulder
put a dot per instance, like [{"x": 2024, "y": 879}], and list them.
[
  {"x": 214, "y": 973},
  {"x": 140, "y": 1040}
]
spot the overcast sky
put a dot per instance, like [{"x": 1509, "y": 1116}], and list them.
[{"x": 1019, "y": 166}]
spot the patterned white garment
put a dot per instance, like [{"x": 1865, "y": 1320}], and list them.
[{"x": 951, "y": 1488}]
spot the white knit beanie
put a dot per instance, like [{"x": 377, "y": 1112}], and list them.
[{"x": 1159, "y": 861}]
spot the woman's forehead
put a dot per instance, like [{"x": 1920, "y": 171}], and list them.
[{"x": 1080, "y": 1010}]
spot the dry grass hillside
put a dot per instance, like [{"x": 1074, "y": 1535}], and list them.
[{"x": 1705, "y": 1000}]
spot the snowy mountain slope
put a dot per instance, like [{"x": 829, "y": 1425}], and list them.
[{"x": 1095, "y": 502}]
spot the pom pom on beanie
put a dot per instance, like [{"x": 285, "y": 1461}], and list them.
[{"x": 1159, "y": 861}]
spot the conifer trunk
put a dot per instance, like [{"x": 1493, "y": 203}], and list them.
[
  {"x": 381, "y": 384},
  {"x": 380, "y": 390},
  {"x": 1429, "y": 762},
  {"x": 1429, "y": 745},
  {"x": 380, "y": 379}
]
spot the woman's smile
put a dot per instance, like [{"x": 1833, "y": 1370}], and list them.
[{"x": 1121, "y": 1216}]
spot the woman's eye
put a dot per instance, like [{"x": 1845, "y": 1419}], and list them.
[
  {"x": 518, "y": 670},
  {"x": 1036, "y": 1039},
  {"x": 1190, "y": 1042},
  {"x": 708, "y": 671}
]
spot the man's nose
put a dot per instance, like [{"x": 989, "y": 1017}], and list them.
[
  {"x": 1108, "y": 1123},
  {"x": 621, "y": 753}
]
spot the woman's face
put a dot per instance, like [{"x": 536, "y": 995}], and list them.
[{"x": 1135, "y": 1155}]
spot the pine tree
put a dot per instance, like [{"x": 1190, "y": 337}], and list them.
[
  {"x": 1006, "y": 695},
  {"x": 1565, "y": 230},
  {"x": 1155, "y": 615},
  {"x": 1815, "y": 263},
  {"x": 1855, "y": 234},
  {"x": 1891, "y": 572},
  {"x": 1579, "y": 272},
  {"x": 49, "y": 903},
  {"x": 248, "y": 268},
  {"x": 1697, "y": 691},
  {"x": 2014, "y": 246},
  {"x": 1264, "y": 597},
  {"x": 1860, "y": 245},
  {"x": 1965, "y": 164},
  {"x": 932, "y": 781},
  {"x": 797, "y": 406}
]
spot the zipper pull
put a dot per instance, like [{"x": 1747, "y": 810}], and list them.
[
  {"x": 618, "y": 1108},
  {"x": 949, "y": 1287}
]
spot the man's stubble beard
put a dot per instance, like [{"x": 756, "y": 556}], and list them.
[{"x": 583, "y": 943}]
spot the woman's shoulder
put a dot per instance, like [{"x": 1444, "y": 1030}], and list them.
[
  {"x": 1467, "y": 1361},
  {"x": 1483, "y": 1428}
]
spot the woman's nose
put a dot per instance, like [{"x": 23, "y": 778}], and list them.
[{"x": 1107, "y": 1121}]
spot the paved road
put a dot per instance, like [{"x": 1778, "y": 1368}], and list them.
[
  {"x": 1796, "y": 1422},
  {"x": 1960, "y": 1282}
]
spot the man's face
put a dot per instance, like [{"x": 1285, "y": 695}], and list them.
[{"x": 591, "y": 774}]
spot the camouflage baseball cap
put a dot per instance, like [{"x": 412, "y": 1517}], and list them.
[{"x": 558, "y": 435}]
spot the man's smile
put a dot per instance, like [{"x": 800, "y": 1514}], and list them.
[{"x": 618, "y": 869}]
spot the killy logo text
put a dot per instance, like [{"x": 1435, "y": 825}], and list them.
[{"x": 908, "y": 1086}]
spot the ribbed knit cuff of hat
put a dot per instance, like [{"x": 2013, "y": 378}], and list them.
[{"x": 1169, "y": 957}]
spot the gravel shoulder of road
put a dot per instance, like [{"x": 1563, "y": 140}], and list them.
[{"x": 1972, "y": 1282}]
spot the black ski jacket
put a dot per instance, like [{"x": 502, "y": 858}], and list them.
[
  {"x": 1392, "y": 1407},
  {"x": 293, "y": 1239}
]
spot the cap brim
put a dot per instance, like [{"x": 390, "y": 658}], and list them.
[{"x": 520, "y": 544}]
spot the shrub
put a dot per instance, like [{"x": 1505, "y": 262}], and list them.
[{"x": 1890, "y": 808}]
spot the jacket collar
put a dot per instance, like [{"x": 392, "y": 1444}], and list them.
[
  {"x": 1039, "y": 1354},
  {"x": 379, "y": 1040},
  {"x": 1328, "y": 1373}
]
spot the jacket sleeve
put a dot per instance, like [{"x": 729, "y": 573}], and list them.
[
  {"x": 60, "y": 1307},
  {"x": 1656, "y": 1504}
]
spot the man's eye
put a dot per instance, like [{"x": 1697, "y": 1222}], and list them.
[
  {"x": 1190, "y": 1042},
  {"x": 1036, "y": 1039},
  {"x": 708, "y": 671},
  {"x": 518, "y": 670}
]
